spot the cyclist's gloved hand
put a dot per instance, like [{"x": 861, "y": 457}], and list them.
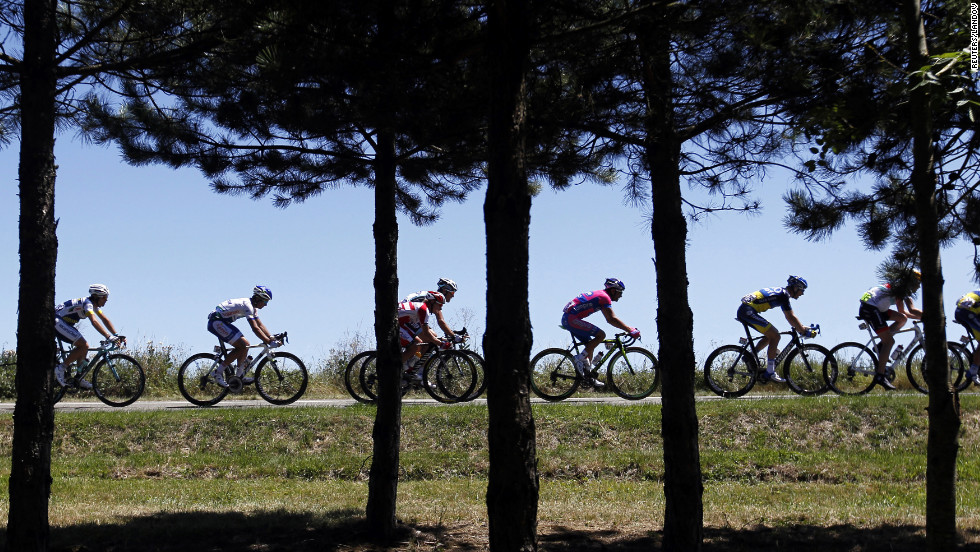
[
  {"x": 275, "y": 343},
  {"x": 459, "y": 338},
  {"x": 810, "y": 333},
  {"x": 635, "y": 332},
  {"x": 445, "y": 344},
  {"x": 117, "y": 339}
]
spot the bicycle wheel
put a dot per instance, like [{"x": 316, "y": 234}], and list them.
[
  {"x": 633, "y": 375},
  {"x": 730, "y": 371},
  {"x": 449, "y": 376},
  {"x": 118, "y": 380},
  {"x": 481, "y": 376},
  {"x": 352, "y": 381},
  {"x": 195, "y": 382},
  {"x": 281, "y": 378},
  {"x": 852, "y": 371},
  {"x": 368, "y": 377},
  {"x": 804, "y": 369},
  {"x": 915, "y": 367},
  {"x": 553, "y": 375},
  {"x": 961, "y": 382}
]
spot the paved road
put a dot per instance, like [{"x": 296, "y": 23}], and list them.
[{"x": 148, "y": 405}]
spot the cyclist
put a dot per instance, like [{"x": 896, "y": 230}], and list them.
[
  {"x": 67, "y": 314},
  {"x": 763, "y": 300},
  {"x": 220, "y": 324},
  {"x": 968, "y": 313},
  {"x": 448, "y": 289},
  {"x": 875, "y": 310},
  {"x": 584, "y": 305},
  {"x": 413, "y": 330}
]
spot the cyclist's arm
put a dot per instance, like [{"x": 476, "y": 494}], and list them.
[
  {"x": 260, "y": 330},
  {"x": 98, "y": 327},
  {"x": 429, "y": 336},
  {"x": 447, "y": 331},
  {"x": 615, "y": 321},
  {"x": 794, "y": 321},
  {"x": 907, "y": 307}
]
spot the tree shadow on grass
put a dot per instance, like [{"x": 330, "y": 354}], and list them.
[
  {"x": 268, "y": 531},
  {"x": 796, "y": 538},
  {"x": 345, "y": 530}
]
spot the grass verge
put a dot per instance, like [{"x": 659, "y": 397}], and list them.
[{"x": 826, "y": 471}]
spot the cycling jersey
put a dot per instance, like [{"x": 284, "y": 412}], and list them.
[
  {"x": 767, "y": 298},
  {"x": 412, "y": 313},
  {"x": 587, "y": 303},
  {"x": 879, "y": 297},
  {"x": 233, "y": 309},
  {"x": 76, "y": 309},
  {"x": 968, "y": 312},
  {"x": 417, "y": 297}
]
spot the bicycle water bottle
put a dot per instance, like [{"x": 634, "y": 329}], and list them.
[
  {"x": 412, "y": 361},
  {"x": 598, "y": 358},
  {"x": 898, "y": 352}
]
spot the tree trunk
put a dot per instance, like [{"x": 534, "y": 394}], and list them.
[
  {"x": 383, "y": 483},
  {"x": 683, "y": 489},
  {"x": 944, "y": 411},
  {"x": 512, "y": 491},
  {"x": 30, "y": 470}
]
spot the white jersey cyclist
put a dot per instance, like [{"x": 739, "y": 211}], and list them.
[
  {"x": 880, "y": 297},
  {"x": 233, "y": 309},
  {"x": 76, "y": 309}
]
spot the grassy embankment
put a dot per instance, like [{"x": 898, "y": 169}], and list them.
[{"x": 796, "y": 468}]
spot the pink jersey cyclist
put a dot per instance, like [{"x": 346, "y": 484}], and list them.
[{"x": 573, "y": 320}]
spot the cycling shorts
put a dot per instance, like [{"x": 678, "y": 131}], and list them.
[
  {"x": 873, "y": 316},
  {"x": 747, "y": 314},
  {"x": 579, "y": 328},
  {"x": 408, "y": 332},
  {"x": 970, "y": 320},
  {"x": 65, "y": 331},
  {"x": 224, "y": 330}
]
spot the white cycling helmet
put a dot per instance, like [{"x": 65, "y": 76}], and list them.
[
  {"x": 445, "y": 284},
  {"x": 262, "y": 292},
  {"x": 98, "y": 290}
]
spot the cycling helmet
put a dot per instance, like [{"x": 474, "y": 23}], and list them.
[
  {"x": 445, "y": 284},
  {"x": 613, "y": 283},
  {"x": 436, "y": 296},
  {"x": 796, "y": 281},
  {"x": 98, "y": 290},
  {"x": 262, "y": 292}
]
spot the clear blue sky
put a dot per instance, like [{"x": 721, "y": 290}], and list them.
[{"x": 170, "y": 249}]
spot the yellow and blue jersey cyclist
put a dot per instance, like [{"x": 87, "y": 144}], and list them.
[
  {"x": 768, "y": 298},
  {"x": 968, "y": 313}
]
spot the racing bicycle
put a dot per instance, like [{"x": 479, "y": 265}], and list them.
[
  {"x": 855, "y": 364},
  {"x": 732, "y": 370},
  {"x": 280, "y": 377},
  {"x": 631, "y": 372},
  {"x": 117, "y": 379},
  {"x": 449, "y": 376}
]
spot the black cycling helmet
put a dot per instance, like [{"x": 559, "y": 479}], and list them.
[
  {"x": 796, "y": 281},
  {"x": 614, "y": 283}
]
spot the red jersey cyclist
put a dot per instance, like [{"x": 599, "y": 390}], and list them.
[
  {"x": 220, "y": 323},
  {"x": 875, "y": 310},
  {"x": 69, "y": 313},
  {"x": 448, "y": 289},
  {"x": 584, "y": 305},
  {"x": 763, "y": 300},
  {"x": 413, "y": 329}
]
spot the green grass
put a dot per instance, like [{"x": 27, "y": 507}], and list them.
[{"x": 782, "y": 464}]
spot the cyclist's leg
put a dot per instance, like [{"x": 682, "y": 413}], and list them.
[
  {"x": 770, "y": 336},
  {"x": 587, "y": 333},
  {"x": 69, "y": 334},
  {"x": 971, "y": 322},
  {"x": 228, "y": 333}
]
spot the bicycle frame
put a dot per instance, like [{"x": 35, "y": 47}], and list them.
[
  {"x": 892, "y": 362},
  {"x": 235, "y": 383},
  {"x": 86, "y": 364},
  {"x": 616, "y": 343},
  {"x": 748, "y": 343}
]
